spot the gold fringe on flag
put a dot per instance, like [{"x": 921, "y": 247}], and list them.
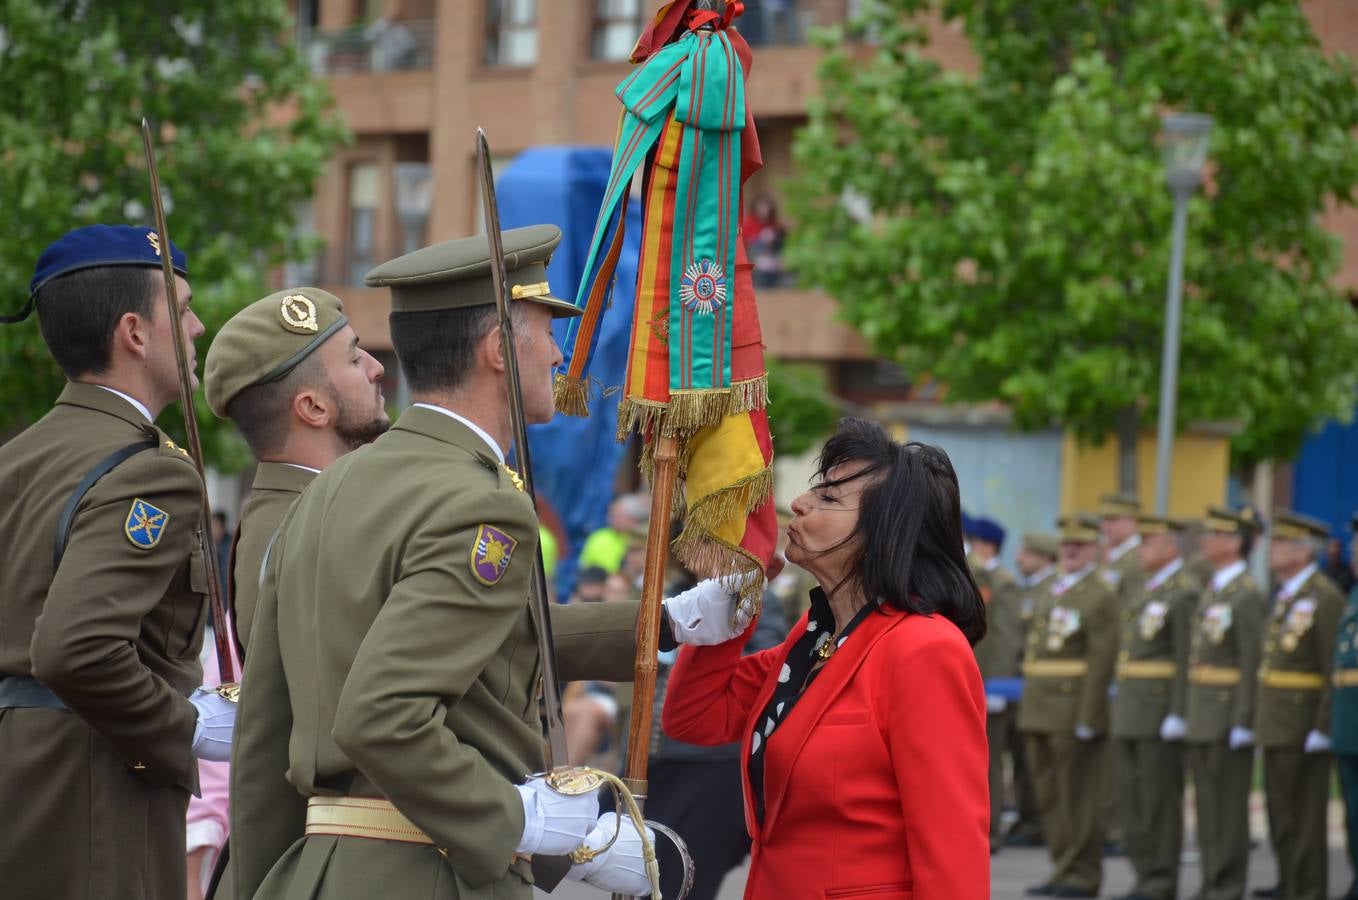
[
  {"x": 571, "y": 395},
  {"x": 709, "y": 554}
]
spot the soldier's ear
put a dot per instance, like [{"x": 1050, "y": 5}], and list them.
[
  {"x": 132, "y": 336},
  {"x": 315, "y": 408},
  {"x": 490, "y": 351}
]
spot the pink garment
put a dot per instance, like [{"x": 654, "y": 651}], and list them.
[{"x": 208, "y": 816}]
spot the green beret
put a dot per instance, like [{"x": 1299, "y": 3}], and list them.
[
  {"x": 1293, "y": 526},
  {"x": 456, "y": 274},
  {"x": 267, "y": 340},
  {"x": 1043, "y": 543}
]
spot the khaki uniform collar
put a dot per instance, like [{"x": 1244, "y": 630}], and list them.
[
  {"x": 91, "y": 396},
  {"x": 436, "y": 425},
  {"x": 276, "y": 476}
]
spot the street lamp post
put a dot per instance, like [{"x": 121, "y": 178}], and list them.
[{"x": 1185, "y": 146}]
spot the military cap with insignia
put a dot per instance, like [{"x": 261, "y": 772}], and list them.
[
  {"x": 268, "y": 339},
  {"x": 96, "y": 246},
  {"x": 1232, "y": 521},
  {"x": 1078, "y": 528},
  {"x": 456, "y": 274},
  {"x": 1294, "y": 526},
  {"x": 1160, "y": 525},
  {"x": 1043, "y": 542},
  {"x": 1115, "y": 505}
]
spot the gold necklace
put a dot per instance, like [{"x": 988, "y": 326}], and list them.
[{"x": 826, "y": 649}]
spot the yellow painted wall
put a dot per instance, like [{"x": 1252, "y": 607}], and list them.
[{"x": 1198, "y": 479}]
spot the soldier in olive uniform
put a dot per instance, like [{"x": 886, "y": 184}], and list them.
[
  {"x": 1292, "y": 719},
  {"x": 102, "y": 589},
  {"x": 1036, "y": 562},
  {"x": 1067, "y": 668},
  {"x": 1222, "y": 662},
  {"x": 288, "y": 371},
  {"x": 392, "y": 679},
  {"x": 1149, "y": 710},
  {"x": 1344, "y": 714},
  {"x": 997, "y": 654}
]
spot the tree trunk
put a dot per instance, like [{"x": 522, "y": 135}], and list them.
[{"x": 1128, "y": 431}]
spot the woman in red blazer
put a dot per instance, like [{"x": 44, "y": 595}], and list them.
[{"x": 863, "y": 734}]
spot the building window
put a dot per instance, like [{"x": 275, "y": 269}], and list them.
[
  {"x": 617, "y": 25},
  {"x": 363, "y": 203},
  {"x": 511, "y": 32}
]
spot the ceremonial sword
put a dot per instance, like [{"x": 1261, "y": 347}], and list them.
[
  {"x": 226, "y": 668},
  {"x": 537, "y": 588}
]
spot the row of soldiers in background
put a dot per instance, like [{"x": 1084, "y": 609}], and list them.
[{"x": 1143, "y": 663}]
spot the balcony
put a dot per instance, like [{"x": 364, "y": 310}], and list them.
[{"x": 380, "y": 46}]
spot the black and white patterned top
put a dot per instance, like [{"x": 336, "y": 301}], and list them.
[{"x": 796, "y": 676}]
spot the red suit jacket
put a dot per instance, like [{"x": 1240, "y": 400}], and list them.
[{"x": 875, "y": 783}]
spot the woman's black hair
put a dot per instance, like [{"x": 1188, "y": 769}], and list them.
[{"x": 909, "y": 532}]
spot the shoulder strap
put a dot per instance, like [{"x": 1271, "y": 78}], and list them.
[{"x": 99, "y": 471}]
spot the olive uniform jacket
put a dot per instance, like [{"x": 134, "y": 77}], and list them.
[
  {"x": 1294, "y": 674},
  {"x": 1124, "y": 577},
  {"x": 95, "y": 794},
  {"x": 276, "y": 487},
  {"x": 997, "y": 654},
  {"x": 1152, "y": 671},
  {"x": 393, "y": 655},
  {"x": 1344, "y": 716},
  {"x": 1223, "y": 659},
  {"x": 1068, "y": 664}
]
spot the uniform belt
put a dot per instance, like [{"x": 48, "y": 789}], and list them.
[
  {"x": 1147, "y": 668},
  {"x": 1292, "y": 681},
  {"x": 1216, "y": 676},
  {"x": 365, "y": 817},
  {"x": 23, "y": 692},
  {"x": 1055, "y": 668},
  {"x": 1345, "y": 678}
]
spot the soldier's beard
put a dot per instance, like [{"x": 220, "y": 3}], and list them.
[{"x": 354, "y": 432}]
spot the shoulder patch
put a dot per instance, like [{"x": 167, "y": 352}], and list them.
[
  {"x": 490, "y": 554},
  {"x": 145, "y": 524}
]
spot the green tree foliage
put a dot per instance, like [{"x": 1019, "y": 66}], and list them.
[
  {"x": 802, "y": 412},
  {"x": 243, "y": 132},
  {"x": 1007, "y": 230}
]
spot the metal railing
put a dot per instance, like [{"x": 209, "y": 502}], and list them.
[{"x": 380, "y": 46}]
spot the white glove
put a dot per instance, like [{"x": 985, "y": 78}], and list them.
[
  {"x": 994, "y": 703},
  {"x": 1241, "y": 737},
  {"x": 216, "y": 722},
  {"x": 621, "y": 869},
  {"x": 1085, "y": 733},
  {"x": 554, "y": 823},
  {"x": 1316, "y": 742},
  {"x": 701, "y": 615},
  {"x": 1173, "y": 728}
]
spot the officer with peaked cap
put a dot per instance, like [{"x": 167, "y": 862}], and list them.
[
  {"x": 102, "y": 589},
  {"x": 1149, "y": 709},
  {"x": 1292, "y": 719},
  {"x": 288, "y": 371},
  {"x": 1223, "y": 660},
  {"x": 1344, "y": 715},
  {"x": 1036, "y": 563},
  {"x": 396, "y": 591},
  {"x": 1067, "y": 667}
]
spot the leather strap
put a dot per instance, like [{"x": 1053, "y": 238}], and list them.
[
  {"x": 102, "y": 468},
  {"x": 23, "y": 692}
]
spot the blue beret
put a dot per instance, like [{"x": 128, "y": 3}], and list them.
[
  {"x": 103, "y": 245},
  {"x": 968, "y": 525},
  {"x": 987, "y": 530}
]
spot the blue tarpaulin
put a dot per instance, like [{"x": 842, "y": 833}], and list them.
[{"x": 575, "y": 461}]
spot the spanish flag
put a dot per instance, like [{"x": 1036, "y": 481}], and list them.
[{"x": 696, "y": 365}]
